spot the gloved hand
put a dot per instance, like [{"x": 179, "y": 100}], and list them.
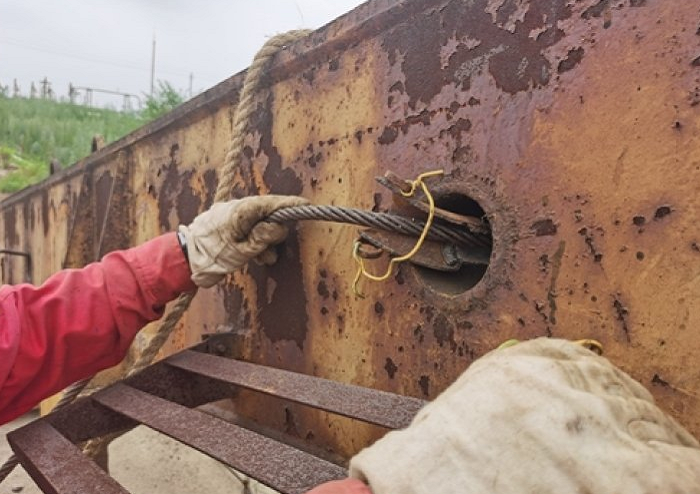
[
  {"x": 229, "y": 234},
  {"x": 544, "y": 416}
]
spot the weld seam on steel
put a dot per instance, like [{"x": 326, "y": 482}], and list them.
[{"x": 383, "y": 221}]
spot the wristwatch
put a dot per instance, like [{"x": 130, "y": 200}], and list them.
[{"x": 182, "y": 240}]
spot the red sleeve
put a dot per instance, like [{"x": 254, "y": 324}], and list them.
[
  {"x": 81, "y": 321},
  {"x": 345, "y": 486}
]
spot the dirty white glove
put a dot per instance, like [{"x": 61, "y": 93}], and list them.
[
  {"x": 229, "y": 234},
  {"x": 544, "y": 416}
]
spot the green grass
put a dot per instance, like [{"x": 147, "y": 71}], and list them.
[{"x": 33, "y": 132}]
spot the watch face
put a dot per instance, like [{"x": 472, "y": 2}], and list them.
[{"x": 182, "y": 240}]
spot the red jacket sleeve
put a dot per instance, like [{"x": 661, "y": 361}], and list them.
[
  {"x": 81, "y": 321},
  {"x": 345, "y": 486}
]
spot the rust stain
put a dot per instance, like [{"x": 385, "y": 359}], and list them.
[
  {"x": 45, "y": 218},
  {"x": 544, "y": 228},
  {"x": 552, "y": 292},
  {"x": 103, "y": 195},
  {"x": 572, "y": 60},
  {"x": 622, "y": 314},
  {"x": 10, "y": 228},
  {"x": 662, "y": 211},
  {"x": 176, "y": 192},
  {"x": 444, "y": 332},
  {"x": 508, "y": 53},
  {"x": 282, "y": 315},
  {"x": 279, "y": 179},
  {"x": 424, "y": 383},
  {"x": 210, "y": 185},
  {"x": 390, "y": 368}
]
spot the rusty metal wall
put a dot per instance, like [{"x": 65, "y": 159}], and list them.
[{"x": 574, "y": 125}]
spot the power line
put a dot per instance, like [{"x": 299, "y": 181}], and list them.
[{"x": 90, "y": 59}]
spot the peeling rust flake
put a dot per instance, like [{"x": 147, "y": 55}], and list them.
[{"x": 503, "y": 48}]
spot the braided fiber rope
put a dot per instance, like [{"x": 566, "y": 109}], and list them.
[
  {"x": 232, "y": 161},
  {"x": 244, "y": 110}
]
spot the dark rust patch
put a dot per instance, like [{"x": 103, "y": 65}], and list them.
[
  {"x": 639, "y": 220},
  {"x": 595, "y": 10},
  {"x": 544, "y": 228},
  {"x": 622, "y": 316},
  {"x": 390, "y": 368},
  {"x": 210, "y": 184},
  {"x": 168, "y": 189},
  {"x": 45, "y": 218},
  {"x": 462, "y": 125},
  {"x": 237, "y": 310},
  {"x": 28, "y": 215},
  {"x": 283, "y": 312},
  {"x": 424, "y": 383},
  {"x": 418, "y": 333},
  {"x": 322, "y": 289},
  {"x": 662, "y": 211},
  {"x": 510, "y": 54},
  {"x": 552, "y": 292},
  {"x": 119, "y": 221},
  {"x": 572, "y": 60},
  {"x": 588, "y": 238},
  {"x": 658, "y": 381},
  {"x": 176, "y": 192},
  {"x": 444, "y": 332},
  {"x": 279, "y": 180},
  {"x": 188, "y": 203},
  {"x": 11, "y": 235},
  {"x": 388, "y": 136},
  {"x": 103, "y": 193}
]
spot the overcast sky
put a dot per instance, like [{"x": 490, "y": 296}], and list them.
[{"x": 107, "y": 43}]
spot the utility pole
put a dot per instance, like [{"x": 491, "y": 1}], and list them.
[
  {"x": 153, "y": 64},
  {"x": 191, "y": 79},
  {"x": 44, "y": 88}
]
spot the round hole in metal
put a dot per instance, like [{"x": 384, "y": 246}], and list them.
[{"x": 474, "y": 262}]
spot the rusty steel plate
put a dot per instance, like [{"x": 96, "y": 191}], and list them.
[{"x": 570, "y": 124}]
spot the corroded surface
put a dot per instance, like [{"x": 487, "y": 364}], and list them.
[{"x": 572, "y": 124}]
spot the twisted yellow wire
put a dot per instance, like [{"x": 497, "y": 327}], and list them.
[{"x": 362, "y": 270}]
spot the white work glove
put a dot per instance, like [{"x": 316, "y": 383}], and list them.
[
  {"x": 544, "y": 416},
  {"x": 229, "y": 234}
]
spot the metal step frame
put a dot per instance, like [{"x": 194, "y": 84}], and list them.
[{"x": 164, "y": 397}]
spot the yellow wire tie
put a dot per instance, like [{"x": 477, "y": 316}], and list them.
[
  {"x": 362, "y": 270},
  {"x": 508, "y": 344},
  {"x": 593, "y": 345}
]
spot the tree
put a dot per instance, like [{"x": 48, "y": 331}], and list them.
[{"x": 166, "y": 98}]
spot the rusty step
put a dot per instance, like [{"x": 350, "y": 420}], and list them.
[
  {"x": 57, "y": 465},
  {"x": 275, "y": 464},
  {"x": 163, "y": 396},
  {"x": 368, "y": 405}
]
